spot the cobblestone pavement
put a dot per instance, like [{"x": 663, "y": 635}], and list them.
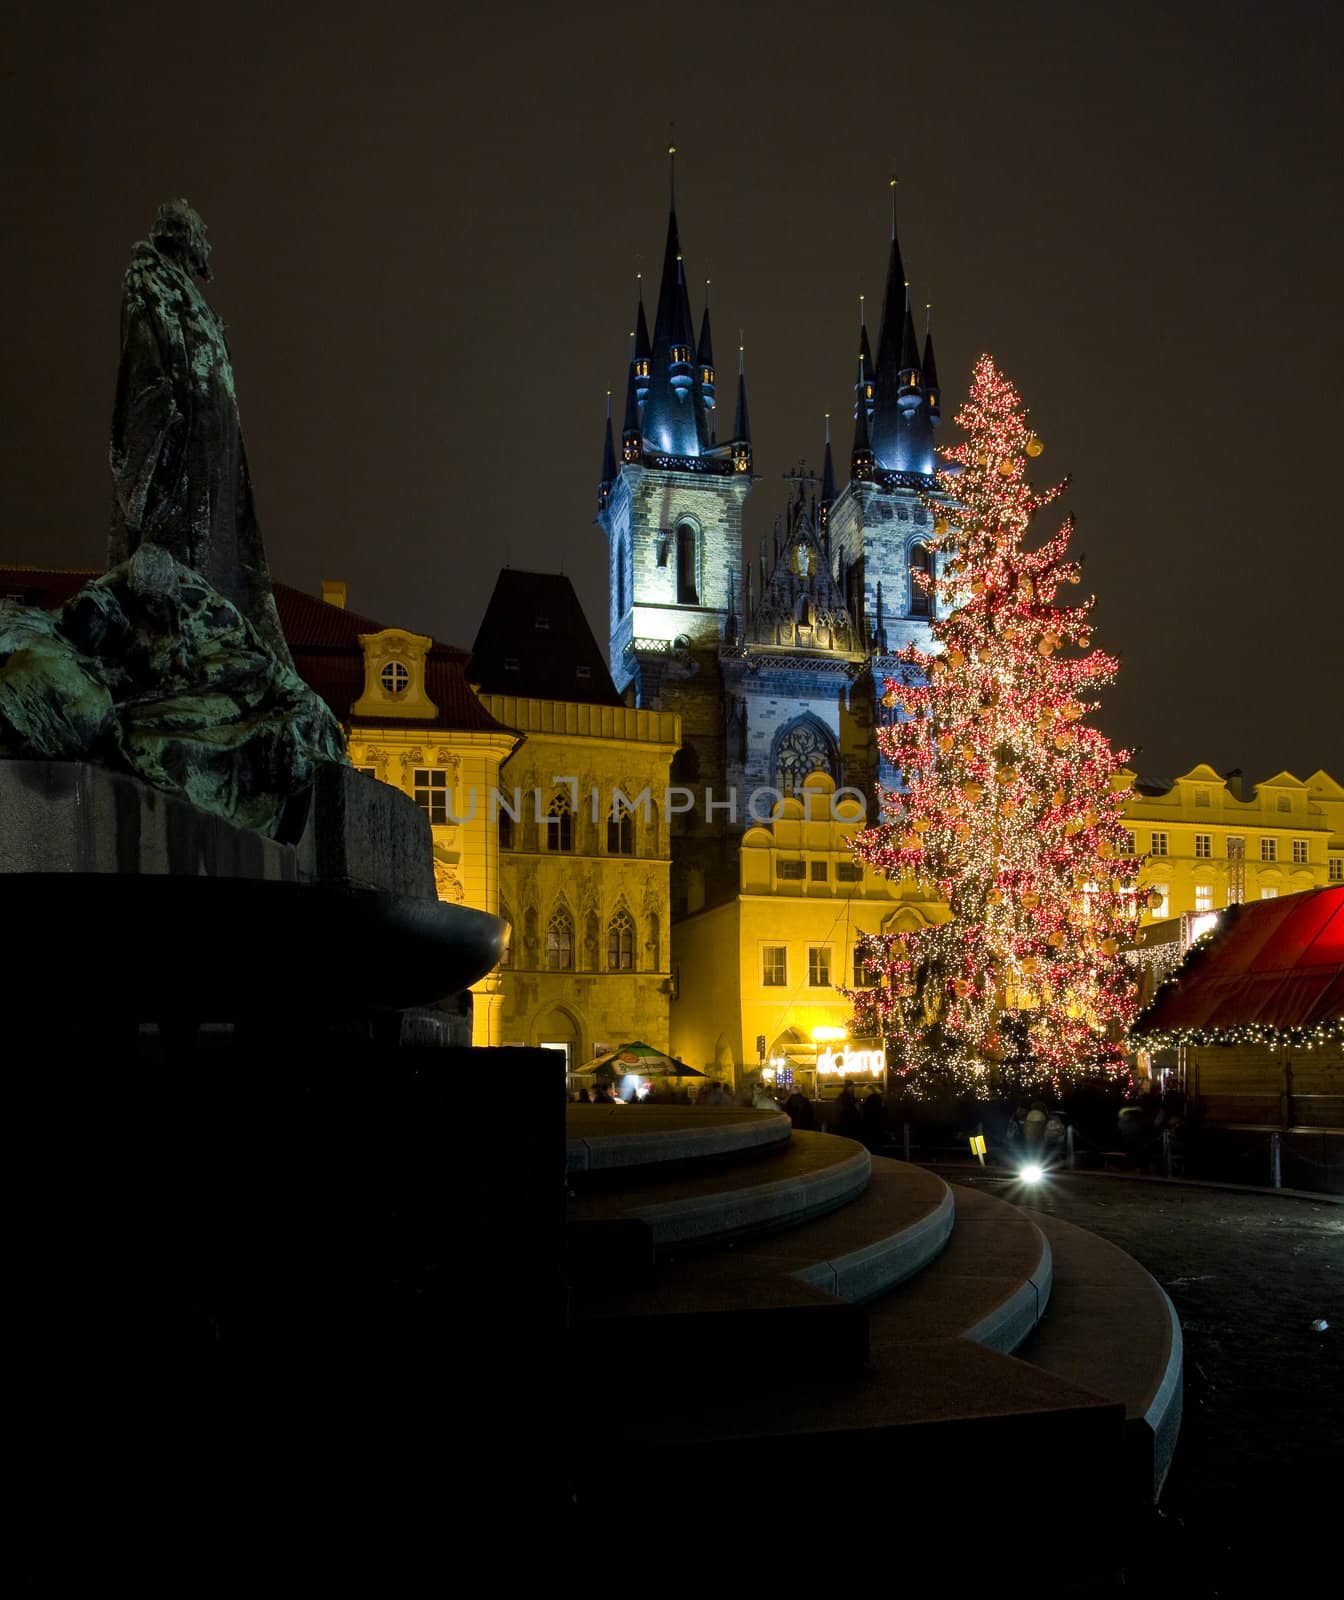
[{"x": 1258, "y": 1476}]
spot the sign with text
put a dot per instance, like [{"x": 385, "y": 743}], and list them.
[{"x": 852, "y": 1060}]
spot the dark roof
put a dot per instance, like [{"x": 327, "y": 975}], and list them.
[
  {"x": 322, "y": 638},
  {"x": 534, "y": 640},
  {"x": 1271, "y": 966}
]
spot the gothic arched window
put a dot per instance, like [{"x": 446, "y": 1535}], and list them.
[
  {"x": 506, "y": 917},
  {"x": 687, "y": 590},
  {"x": 621, "y": 942},
  {"x": 621, "y": 833},
  {"x": 655, "y": 943},
  {"x": 560, "y": 824},
  {"x": 560, "y": 941},
  {"x": 921, "y": 599},
  {"x": 622, "y": 556},
  {"x": 804, "y": 747}
]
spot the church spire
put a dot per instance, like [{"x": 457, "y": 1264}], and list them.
[
  {"x": 704, "y": 356},
  {"x": 865, "y": 390},
  {"x": 632, "y": 439},
  {"x": 742, "y": 422},
  {"x": 673, "y": 419},
  {"x": 861, "y": 457},
  {"x": 930, "y": 367},
  {"x": 643, "y": 351},
  {"x": 609, "y": 468},
  {"x": 902, "y": 426},
  {"x": 827, "y": 480}
]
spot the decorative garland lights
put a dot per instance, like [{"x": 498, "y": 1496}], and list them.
[{"x": 1007, "y": 809}]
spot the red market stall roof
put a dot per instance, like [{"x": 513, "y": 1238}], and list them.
[{"x": 1272, "y": 970}]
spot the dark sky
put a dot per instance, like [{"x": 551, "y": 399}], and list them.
[{"x": 427, "y": 222}]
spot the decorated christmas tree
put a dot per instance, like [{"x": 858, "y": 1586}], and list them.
[{"x": 1006, "y": 810}]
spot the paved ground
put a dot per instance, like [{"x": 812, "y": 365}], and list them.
[{"x": 1258, "y": 1477}]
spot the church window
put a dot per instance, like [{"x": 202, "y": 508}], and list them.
[
  {"x": 621, "y": 942},
  {"x": 774, "y": 966},
  {"x": 560, "y": 824},
  {"x": 430, "y": 793},
  {"x": 622, "y": 556},
  {"x": 802, "y": 748},
  {"x": 921, "y": 601},
  {"x": 655, "y": 943},
  {"x": 560, "y": 941},
  {"x": 687, "y": 589},
  {"x": 621, "y": 833},
  {"x": 819, "y": 966},
  {"x": 395, "y": 678}
]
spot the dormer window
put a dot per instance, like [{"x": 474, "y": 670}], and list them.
[
  {"x": 395, "y": 678},
  {"x": 541, "y": 624}
]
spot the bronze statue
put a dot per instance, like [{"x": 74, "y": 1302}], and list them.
[{"x": 179, "y": 469}]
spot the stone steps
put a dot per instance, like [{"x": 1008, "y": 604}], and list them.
[{"x": 606, "y": 1138}]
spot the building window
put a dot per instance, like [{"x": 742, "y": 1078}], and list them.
[
  {"x": 1202, "y": 797},
  {"x": 819, "y": 966},
  {"x": 865, "y": 976},
  {"x": 1159, "y": 845},
  {"x": 1300, "y": 852},
  {"x": 817, "y": 871},
  {"x": 542, "y": 624},
  {"x": 1203, "y": 897},
  {"x": 1126, "y": 841},
  {"x": 621, "y": 833},
  {"x": 1157, "y": 898},
  {"x": 506, "y": 959},
  {"x": 921, "y": 601},
  {"x": 1269, "y": 849},
  {"x": 804, "y": 747},
  {"x": 560, "y": 824},
  {"x": 395, "y": 678},
  {"x": 1285, "y": 803},
  {"x": 622, "y": 556},
  {"x": 560, "y": 942},
  {"x": 1269, "y": 894},
  {"x": 621, "y": 942},
  {"x": 505, "y": 830},
  {"x": 1203, "y": 845},
  {"x": 369, "y": 772},
  {"x": 431, "y": 793},
  {"x": 848, "y": 872},
  {"x": 789, "y": 871},
  {"x": 655, "y": 943},
  {"x": 1337, "y": 870},
  {"x": 774, "y": 966},
  {"x": 687, "y": 590}
]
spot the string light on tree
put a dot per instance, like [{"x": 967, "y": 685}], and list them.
[{"x": 1007, "y": 809}]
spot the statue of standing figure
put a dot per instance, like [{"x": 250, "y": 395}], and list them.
[{"x": 179, "y": 469}]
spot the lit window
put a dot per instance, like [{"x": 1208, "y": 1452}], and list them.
[
  {"x": 818, "y": 872},
  {"x": 921, "y": 598},
  {"x": 1203, "y": 845},
  {"x": 774, "y": 966},
  {"x": 848, "y": 872},
  {"x": 621, "y": 942},
  {"x": 1159, "y": 845},
  {"x": 789, "y": 871},
  {"x": 687, "y": 587},
  {"x": 559, "y": 824},
  {"x": 621, "y": 834},
  {"x": 1203, "y": 897},
  {"x": 1158, "y": 892},
  {"x": 1269, "y": 894},
  {"x": 1300, "y": 852},
  {"x": 1127, "y": 841},
  {"x": 395, "y": 678},
  {"x": 560, "y": 942},
  {"x": 431, "y": 793},
  {"x": 819, "y": 966},
  {"x": 1269, "y": 849}
]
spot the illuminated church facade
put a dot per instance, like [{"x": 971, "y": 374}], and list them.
[{"x": 774, "y": 660}]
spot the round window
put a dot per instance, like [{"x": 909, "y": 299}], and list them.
[{"x": 394, "y": 678}]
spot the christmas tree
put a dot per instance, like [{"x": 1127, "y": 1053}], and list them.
[{"x": 1006, "y": 810}]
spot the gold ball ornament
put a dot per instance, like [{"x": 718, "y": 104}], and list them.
[
  {"x": 921, "y": 825},
  {"x": 972, "y": 789},
  {"x": 889, "y": 699},
  {"x": 910, "y": 841},
  {"x": 1155, "y": 899},
  {"x": 940, "y": 527},
  {"x": 1105, "y": 849},
  {"x": 978, "y": 587},
  {"x": 1061, "y": 741},
  {"x": 1089, "y": 818},
  {"x": 1006, "y": 467},
  {"x": 1109, "y": 947},
  {"x": 1034, "y": 446},
  {"x": 1029, "y": 898},
  {"x": 1027, "y": 589},
  {"x": 945, "y": 743},
  {"x": 1056, "y": 939},
  {"x": 1030, "y": 965},
  {"x": 1057, "y": 799},
  {"x": 1008, "y": 807},
  {"x": 955, "y": 658},
  {"x": 961, "y": 988},
  {"x": 994, "y": 897}
]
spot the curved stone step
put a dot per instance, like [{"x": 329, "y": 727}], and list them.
[
  {"x": 603, "y": 1138},
  {"x": 990, "y": 1285},
  {"x": 1113, "y": 1330},
  {"x": 807, "y": 1175}
]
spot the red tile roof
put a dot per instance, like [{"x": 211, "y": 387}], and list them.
[
  {"x": 1272, "y": 965},
  {"x": 323, "y": 639}
]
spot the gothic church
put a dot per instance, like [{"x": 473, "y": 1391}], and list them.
[{"x": 774, "y": 663}]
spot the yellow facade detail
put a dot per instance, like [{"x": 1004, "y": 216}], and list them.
[
  {"x": 394, "y": 677},
  {"x": 768, "y": 965}
]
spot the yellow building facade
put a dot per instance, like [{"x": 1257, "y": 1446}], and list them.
[
  {"x": 759, "y": 978},
  {"x": 584, "y": 853},
  {"x": 1207, "y": 840}
]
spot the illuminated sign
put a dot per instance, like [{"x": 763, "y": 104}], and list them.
[{"x": 851, "y": 1062}]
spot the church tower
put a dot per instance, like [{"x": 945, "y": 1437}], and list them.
[
  {"x": 879, "y": 527},
  {"x": 671, "y": 506}
]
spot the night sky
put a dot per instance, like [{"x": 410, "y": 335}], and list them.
[{"x": 427, "y": 223}]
